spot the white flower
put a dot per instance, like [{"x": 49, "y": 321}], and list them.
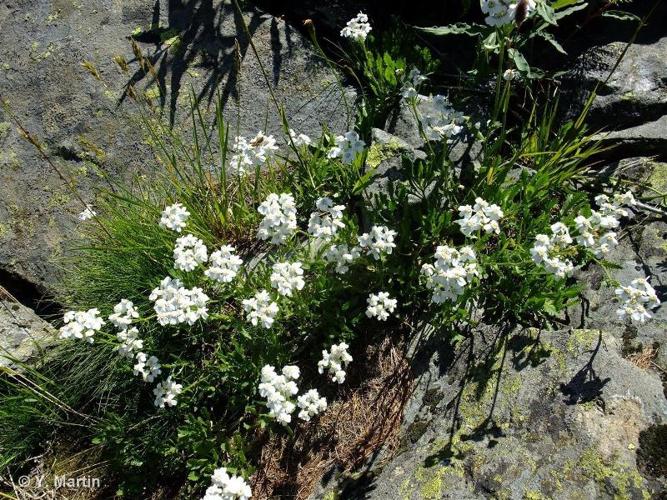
[
  {"x": 327, "y": 220},
  {"x": 260, "y": 309},
  {"x": 551, "y": 251},
  {"x": 224, "y": 264},
  {"x": 88, "y": 213},
  {"x": 481, "y": 216},
  {"x": 175, "y": 304},
  {"x": 410, "y": 87},
  {"x": 441, "y": 121},
  {"x": 509, "y": 75},
  {"x": 311, "y": 404},
  {"x": 129, "y": 342},
  {"x": 342, "y": 256},
  {"x": 287, "y": 277},
  {"x": 502, "y": 12},
  {"x": 123, "y": 314},
  {"x": 252, "y": 153},
  {"x": 226, "y": 487},
  {"x": 174, "y": 217},
  {"x": 639, "y": 299},
  {"x": 81, "y": 324},
  {"x": 189, "y": 253},
  {"x": 147, "y": 368},
  {"x": 299, "y": 139},
  {"x": 379, "y": 240},
  {"x": 357, "y": 28},
  {"x": 278, "y": 391},
  {"x": 279, "y": 221},
  {"x": 347, "y": 147},
  {"x": 166, "y": 392},
  {"x": 592, "y": 234},
  {"x": 380, "y": 305},
  {"x": 451, "y": 272},
  {"x": 335, "y": 361}
]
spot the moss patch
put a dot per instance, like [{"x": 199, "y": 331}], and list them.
[{"x": 378, "y": 153}]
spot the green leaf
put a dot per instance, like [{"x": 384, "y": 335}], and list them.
[
  {"x": 546, "y": 13},
  {"x": 566, "y": 12},
  {"x": 560, "y": 4},
  {"x": 550, "y": 38},
  {"x": 621, "y": 15},
  {"x": 456, "y": 29}
]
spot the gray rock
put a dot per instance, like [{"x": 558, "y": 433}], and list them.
[
  {"x": 22, "y": 333},
  {"x": 91, "y": 129},
  {"x": 636, "y": 93},
  {"x": 645, "y": 139}
]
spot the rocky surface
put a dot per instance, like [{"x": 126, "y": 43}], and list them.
[
  {"x": 22, "y": 332},
  {"x": 91, "y": 131}
]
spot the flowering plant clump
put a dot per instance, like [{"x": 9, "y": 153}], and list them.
[
  {"x": 311, "y": 404},
  {"x": 327, "y": 220},
  {"x": 176, "y": 304},
  {"x": 87, "y": 213},
  {"x": 189, "y": 253},
  {"x": 452, "y": 271},
  {"x": 278, "y": 391},
  {"x": 174, "y": 217},
  {"x": 481, "y": 216},
  {"x": 334, "y": 361},
  {"x": 124, "y": 313},
  {"x": 165, "y": 393},
  {"x": 299, "y": 139},
  {"x": 442, "y": 121},
  {"x": 342, "y": 256},
  {"x": 261, "y": 309},
  {"x": 410, "y": 89},
  {"x": 502, "y": 12},
  {"x": 552, "y": 252},
  {"x": 357, "y": 28},
  {"x": 279, "y": 221},
  {"x": 129, "y": 342},
  {"x": 287, "y": 277},
  {"x": 227, "y": 487},
  {"x": 639, "y": 298},
  {"x": 147, "y": 367},
  {"x": 81, "y": 324},
  {"x": 224, "y": 264},
  {"x": 378, "y": 241},
  {"x": 380, "y": 306},
  {"x": 347, "y": 147},
  {"x": 252, "y": 153}
]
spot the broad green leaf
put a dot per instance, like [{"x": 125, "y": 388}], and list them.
[
  {"x": 546, "y": 13},
  {"x": 456, "y": 29},
  {"x": 571, "y": 10}
]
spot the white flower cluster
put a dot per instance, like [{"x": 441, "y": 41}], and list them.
[
  {"x": 279, "y": 221},
  {"x": 299, "y": 139},
  {"x": 123, "y": 314},
  {"x": 380, "y": 305},
  {"x": 129, "y": 342},
  {"x": 147, "y": 367},
  {"x": 227, "y": 487},
  {"x": 81, "y": 324},
  {"x": 335, "y": 361},
  {"x": 189, "y": 253},
  {"x": 224, "y": 264},
  {"x": 639, "y": 299},
  {"x": 88, "y": 213},
  {"x": 311, "y": 404},
  {"x": 410, "y": 89},
  {"x": 379, "y": 240},
  {"x": 443, "y": 122},
  {"x": 342, "y": 256},
  {"x": 260, "y": 309},
  {"x": 327, "y": 220},
  {"x": 480, "y": 216},
  {"x": 176, "y": 304},
  {"x": 165, "y": 393},
  {"x": 174, "y": 217},
  {"x": 278, "y": 389},
  {"x": 551, "y": 251},
  {"x": 347, "y": 147},
  {"x": 452, "y": 271},
  {"x": 287, "y": 277},
  {"x": 252, "y": 153},
  {"x": 357, "y": 28},
  {"x": 594, "y": 231},
  {"x": 502, "y": 12}
]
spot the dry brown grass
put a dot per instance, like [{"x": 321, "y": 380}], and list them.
[
  {"x": 363, "y": 420},
  {"x": 643, "y": 359}
]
